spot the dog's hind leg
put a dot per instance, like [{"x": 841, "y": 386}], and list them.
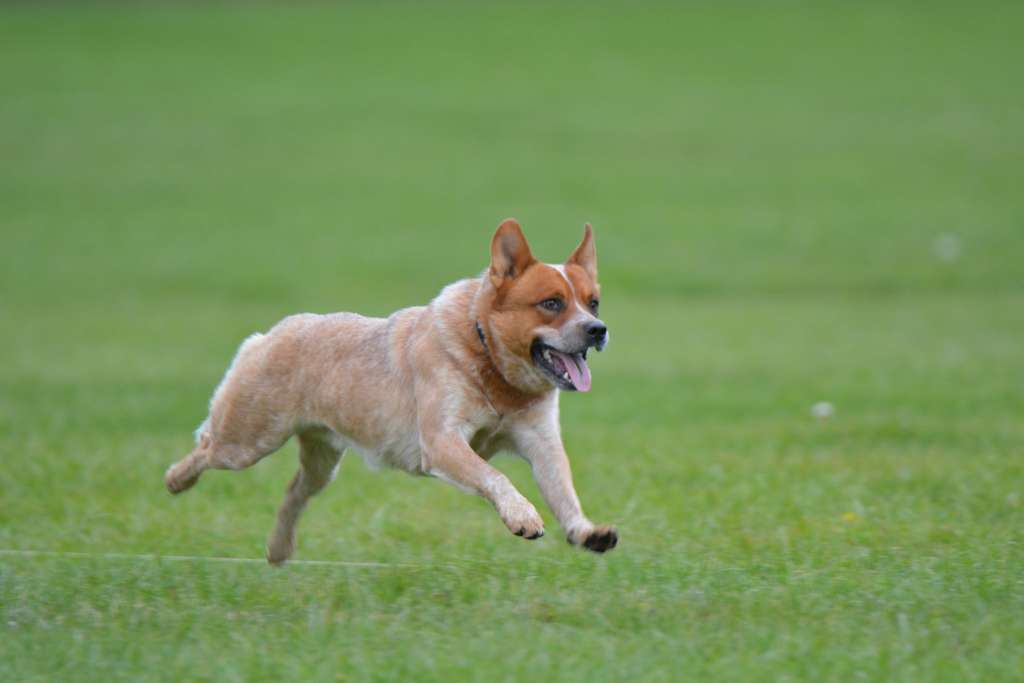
[
  {"x": 318, "y": 463},
  {"x": 246, "y": 421},
  {"x": 183, "y": 475},
  {"x": 239, "y": 441}
]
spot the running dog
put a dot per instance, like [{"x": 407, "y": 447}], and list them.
[{"x": 433, "y": 390}]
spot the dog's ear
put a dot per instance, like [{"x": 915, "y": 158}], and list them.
[
  {"x": 510, "y": 254},
  {"x": 585, "y": 255}
]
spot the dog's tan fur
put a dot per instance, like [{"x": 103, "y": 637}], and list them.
[{"x": 420, "y": 391}]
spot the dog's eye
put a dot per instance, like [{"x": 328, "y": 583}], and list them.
[
  {"x": 553, "y": 304},
  {"x": 594, "y": 303}
]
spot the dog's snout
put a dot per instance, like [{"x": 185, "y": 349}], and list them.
[{"x": 597, "y": 332}]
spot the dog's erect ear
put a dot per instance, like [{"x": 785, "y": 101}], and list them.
[
  {"x": 510, "y": 254},
  {"x": 585, "y": 255}
]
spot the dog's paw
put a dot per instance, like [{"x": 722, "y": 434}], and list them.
[
  {"x": 522, "y": 519},
  {"x": 279, "y": 550},
  {"x": 598, "y": 539},
  {"x": 177, "y": 479}
]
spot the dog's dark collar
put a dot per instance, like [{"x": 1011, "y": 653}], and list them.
[
  {"x": 480, "y": 333},
  {"x": 483, "y": 385}
]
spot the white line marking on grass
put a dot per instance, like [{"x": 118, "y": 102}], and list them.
[{"x": 199, "y": 558}]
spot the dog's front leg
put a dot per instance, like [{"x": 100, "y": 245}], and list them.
[
  {"x": 541, "y": 446},
  {"x": 448, "y": 456}
]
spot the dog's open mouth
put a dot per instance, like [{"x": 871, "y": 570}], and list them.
[{"x": 568, "y": 371}]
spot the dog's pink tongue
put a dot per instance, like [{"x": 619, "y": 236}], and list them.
[{"x": 578, "y": 371}]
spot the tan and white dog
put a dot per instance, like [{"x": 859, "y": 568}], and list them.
[{"x": 436, "y": 390}]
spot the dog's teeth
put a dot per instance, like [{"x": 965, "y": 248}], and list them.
[
  {"x": 565, "y": 375},
  {"x": 547, "y": 355}
]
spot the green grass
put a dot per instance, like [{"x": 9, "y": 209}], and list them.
[{"x": 768, "y": 184}]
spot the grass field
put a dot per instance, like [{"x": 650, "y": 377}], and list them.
[{"x": 793, "y": 203}]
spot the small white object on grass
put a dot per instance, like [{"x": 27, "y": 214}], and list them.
[
  {"x": 823, "y": 410},
  {"x": 946, "y": 247}
]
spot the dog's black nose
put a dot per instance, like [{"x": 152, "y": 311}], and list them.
[{"x": 596, "y": 331}]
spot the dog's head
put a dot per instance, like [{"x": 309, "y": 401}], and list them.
[{"x": 541, "y": 319}]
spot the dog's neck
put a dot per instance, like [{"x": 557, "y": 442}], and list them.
[{"x": 503, "y": 395}]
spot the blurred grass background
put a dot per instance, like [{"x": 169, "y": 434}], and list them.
[{"x": 794, "y": 202}]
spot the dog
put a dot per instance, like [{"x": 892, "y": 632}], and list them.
[{"x": 432, "y": 390}]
